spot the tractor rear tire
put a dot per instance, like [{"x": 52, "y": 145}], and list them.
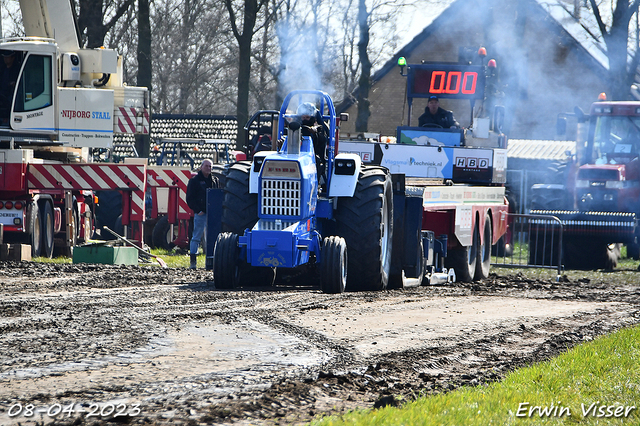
[
  {"x": 365, "y": 221},
  {"x": 47, "y": 230},
  {"x": 220, "y": 172},
  {"x": 463, "y": 260},
  {"x": 483, "y": 264},
  {"x": 225, "y": 261},
  {"x": 239, "y": 207},
  {"x": 333, "y": 268}
]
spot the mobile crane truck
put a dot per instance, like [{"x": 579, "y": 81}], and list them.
[
  {"x": 598, "y": 196},
  {"x": 356, "y": 225},
  {"x": 64, "y": 102}
]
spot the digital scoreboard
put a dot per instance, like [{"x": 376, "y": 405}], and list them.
[{"x": 446, "y": 81}]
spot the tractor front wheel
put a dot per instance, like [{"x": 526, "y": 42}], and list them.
[
  {"x": 225, "y": 261},
  {"x": 333, "y": 268}
]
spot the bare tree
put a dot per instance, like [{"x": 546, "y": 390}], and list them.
[
  {"x": 91, "y": 19},
  {"x": 191, "y": 71},
  {"x": 364, "y": 82},
  {"x": 616, "y": 36},
  {"x": 374, "y": 18},
  {"x": 247, "y": 20}
]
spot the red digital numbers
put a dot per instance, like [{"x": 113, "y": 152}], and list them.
[{"x": 453, "y": 82}]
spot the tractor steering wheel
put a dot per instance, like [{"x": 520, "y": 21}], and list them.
[{"x": 432, "y": 125}]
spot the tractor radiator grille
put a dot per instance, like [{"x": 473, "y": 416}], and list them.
[{"x": 280, "y": 197}]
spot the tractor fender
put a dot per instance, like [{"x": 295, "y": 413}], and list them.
[
  {"x": 344, "y": 176},
  {"x": 256, "y": 166}
]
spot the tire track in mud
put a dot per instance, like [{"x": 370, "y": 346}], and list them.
[{"x": 189, "y": 353}]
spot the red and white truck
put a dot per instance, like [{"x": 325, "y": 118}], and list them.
[{"x": 64, "y": 102}]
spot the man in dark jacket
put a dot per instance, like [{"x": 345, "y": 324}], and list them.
[
  {"x": 197, "y": 201},
  {"x": 434, "y": 116}
]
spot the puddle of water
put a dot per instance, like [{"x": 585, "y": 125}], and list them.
[{"x": 240, "y": 355}]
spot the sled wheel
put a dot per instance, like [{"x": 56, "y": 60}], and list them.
[
  {"x": 483, "y": 263},
  {"x": 333, "y": 268},
  {"x": 365, "y": 221},
  {"x": 225, "y": 261},
  {"x": 463, "y": 259}
]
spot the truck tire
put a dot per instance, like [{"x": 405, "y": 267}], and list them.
[
  {"x": 588, "y": 254},
  {"x": 333, "y": 268},
  {"x": 35, "y": 230},
  {"x": 47, "y": 230},
  {"x": 463, "y": 260},
  {"x": 239, "y": 207},
  {"x": 483, "y": 264},
  {"x": 225, "y": 261},
  {"x": 365, "y": 221},
  {"x": 633, "y": 251},
  {"x": 161, "y": 235}
]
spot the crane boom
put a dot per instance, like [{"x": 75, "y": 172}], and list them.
[{"x": 60, "y": 25}]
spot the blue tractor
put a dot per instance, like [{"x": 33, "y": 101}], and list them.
[{"x": 306, "y": 207}]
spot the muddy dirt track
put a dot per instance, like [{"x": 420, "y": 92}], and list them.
[{"x": 84, "y": 344}]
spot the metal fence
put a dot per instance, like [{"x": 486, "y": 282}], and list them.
[{"x": 531, "y": 241}]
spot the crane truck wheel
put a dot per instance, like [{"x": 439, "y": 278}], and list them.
[
  {"x": 225, "y": 261},
  {"x": 239, "y": 207},
  {"x": 47, "y": 230},
  {"x": 68, "y": 251},
  {"x": 463, "y": 260},
  {"x": 483, "y": 263},
  {"x": 333, "y": 268},
  {"x": 35, "y": 230},
  {"x": 365, "y": 221}
]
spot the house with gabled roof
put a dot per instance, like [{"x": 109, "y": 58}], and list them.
[{"x": 544, "y": 64}]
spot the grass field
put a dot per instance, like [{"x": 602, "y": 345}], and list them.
[{"x": 593, "y": 384}]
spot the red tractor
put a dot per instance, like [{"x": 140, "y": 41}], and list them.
[{"x": 597, "y": 196}]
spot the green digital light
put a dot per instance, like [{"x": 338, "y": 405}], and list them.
[{"x": 402, "y": 62}]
